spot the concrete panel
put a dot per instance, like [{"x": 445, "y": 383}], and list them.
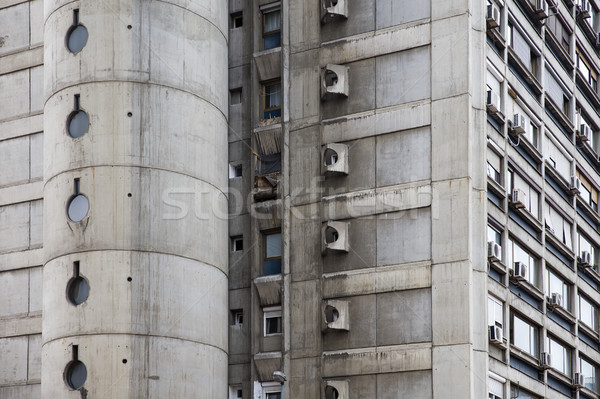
[
  {"x": 306, "y": 378},
  {"x": 361, "y": 95},
  {"x": 36, "y": 161},
  {"x": 13, "y": 327},
  {"x": 13, "y": 367},
  {"x": 396, "y": 12},
  {"x": 441, "y": 9},
  {"x": 34, "y": 367},
  {"x": 415, "y": 384},
  {"x": 403, "y": 77},
  {"x": 21, "y": 193},
  {"x": 451, "y": 219},
  {"x": 306, "y": 26},
  {"x": 21, "y": 127},
  {"x": 305, "y": 84},
  {"x": 362, "y": 386},
  {"x": 37, "y": 89},
  {"x": 363, "y": 327},
  {"x": 410, "y": 149},
  {"x": 15, "y": 94},
  {"x": 15, "y": 28},
  {"x": 361, "y": 159},
  {"x": 14, "y": 161},
  {"x": 36, "y": 223},
  {"x": 305, "y": 165},
  {"x": 404, "y": 236},
  {"x": 361, "y": 18},
  {"x": 35, "y": 289},
  {"x": 14, "y": 227},
  {"x": 450, "y": 68},
  {"x": 413, "y": 308},
  {"x": 36, "y": 22},
  {"x": 14, "y": 288},
  {"x": 362, "y": 253},
  {"x": 306, "y": 312},
  {"x": 20, "y": 392},
  {"x": 452, "y": 371},
  {"x": 305, "y": 233}
]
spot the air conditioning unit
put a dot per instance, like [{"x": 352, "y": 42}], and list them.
[
  {"x": 494, "y": 251},
  {"x": 332, "y": 9},
  {"x": 555, "y": 300},
  {"x": 496, "y": 335},
  {"x": 545, "y": 360},
  {"x": 493, "y": 102},
  {"x": 542, "y": 9},
  {"x": 585, "y": 259},
  {"x": 575, "y": 185},
  {"x": 584, "y": 9},
  {"x": 519, "y": 271},
  {"x": 584, "y": 132},
  {"x": 334, "y": 81},
  {"x": 335, "y": 315},
  {"x": 518, "y": 123},
  {"x": 518, "y": 198},
  {"x": 493, "y": 16},
  {"x": 335, "y": 159},
  {"x": 578, "y": 380}
]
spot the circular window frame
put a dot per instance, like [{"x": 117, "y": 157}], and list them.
[
  {"x": 70, "y": 118},
  {"x": 68, "y": 373},
  {"x": 70, "y": 31},
  {"x": 70, "y": 201},
  {"x": 70, "y": 285}
]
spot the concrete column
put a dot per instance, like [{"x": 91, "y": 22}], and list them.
[{"x": 152, "y": 164}]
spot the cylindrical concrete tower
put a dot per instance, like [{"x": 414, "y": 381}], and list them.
[{"x": 135, "y": 227}]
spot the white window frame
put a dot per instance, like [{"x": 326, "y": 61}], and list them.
[
  {"x": 270, "y": 387},
  {"x": 270, "y": 313}
]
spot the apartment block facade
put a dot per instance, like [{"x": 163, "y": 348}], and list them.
[{"x": 299, "y": 199}]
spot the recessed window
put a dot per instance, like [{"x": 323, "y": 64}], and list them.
[
  {"x": 235, "y": 170},
  {"x": 237, "y": 317},
  {"x": 77, "y": 35},
  {"x": 237, "y": 20},
  {"x": 78, "y": 288},
  {"x": 556, "y": 285},
  {"x": 271, "y": 105},
  {"x": 237, "y": 244},
  {"x": 560, "y": 356},
  {"x": 75, "y": 373},
  {"x": 235, "y": 96},
  {"x": 78, "y": 121},
  {"x": 517, "y": 253},
  {"x": 272, "y": 253},
  {"x": 271, "y": 29},
  {"x": 272, "y": 325},
  {"x": 589, "y": 371},
  {"x": 495, "y": 312},
  {"x": 588, "y": 312},
  {"x": 524, "y": 335}
]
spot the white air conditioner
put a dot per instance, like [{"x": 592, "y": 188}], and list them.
[
  {"x": 334, "y": 81},
  {"x": 496, "y": 335},
  {"x": 555, "y": 300},
  {"x": 334, "y": 9},
  {"x": 493, "y": 16},
  {"x": 494, "y": 251},
  {"x": 585, "y": 259},
  {"x": 518, "y": 123},
  {"x": 493, "y": 102},
  {"x": 584, "y": 132},
  {"x": 575, "y": 185},
  {"x": 542, "y": 9},
  {"x": 545, "y": 360},
  {"x": 519, "y": 271},
  {"x": 578, "y": 380},
  {"x": 334, "y": 159},
  {"x": 518, "y": 198},
  {"x": 335, "y": 315}
]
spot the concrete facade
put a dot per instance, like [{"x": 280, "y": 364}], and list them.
[{"x": 356, "y": 212}]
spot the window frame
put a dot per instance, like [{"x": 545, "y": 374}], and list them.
[
  {"x": 264, "y": 251},
  {"x": 535, "y": 344},
  {"x": 272, "y": 312},
  {"x": 595, "y": 368},
  {"x": 567, "y": 355},
  {"x": 595, "y": 309},
  {"x": 566, "y": 288},
  {"x": 533, "y": 262},
  {"x": 268, "y": 110},
  {"x": 266, "y": 10}
]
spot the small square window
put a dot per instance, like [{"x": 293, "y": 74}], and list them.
[
  {"x": 239, "y": 393},
  {"x": 272, "y": 325},
  {"x": 237, "y": 244},
  {"x": 235, "y": 96},
  {"x": 235, "y": 170},
  {"x": 237, "y": 317},
  {"x": 237, "y": 20}
]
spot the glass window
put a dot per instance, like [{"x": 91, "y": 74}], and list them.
[
  {"x": 558, "y": 226},
  {"x": 585, "y": 244},
  {"x": 531, "y": 201},
  {"x": 494, "y": 235},
  {"x": 496, "y": 387},
  {"x": 524, "y": 335},
  {"x": 272, "y": 29},
  {"x": 495, "y": 312},
  {"x": 272, "y": 324},
  {"x": 554, "y": 284},
  {"x": 588, "y": 313},
  {"x": 271, "y": 100},
  {"x": 517, "y": 393},
  {"x": 589, "y": 371},
  {"x": 588, "y": 192},
  {"x": 272, "y": 253},
  {"x": 516, "y": 253},
  {"x": 560, "y": 356},
  {"x": 493, "y": 166}
]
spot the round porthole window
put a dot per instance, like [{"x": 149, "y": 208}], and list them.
[
  {"x": 77, "y": 37},
  {"x": 78, "y": 208},
  {"x": 78, "y": 123},
  {"x": 75, "y": 374},
  {"x": 78, "y": 290}
]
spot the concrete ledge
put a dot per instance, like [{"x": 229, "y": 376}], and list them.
[
  {"x": 21, "y": 326},
  {"x": 384, "y": 359},
  {"x": 21, "y": 193},
  {"x": 22, "y": 60},
  {"x": 384, "y": 120},
  {"x": 372, "y": 44},
  {"x": 10, "y": 3},
  {"x": 375, "y": 201},
  {"x": 377, "y": 279},
  {"x": 269, "y": 289},
  {"x": 21, "y": 127},
  {"x": 266, "y": 364},
  {"x": 21, "y": 260}
]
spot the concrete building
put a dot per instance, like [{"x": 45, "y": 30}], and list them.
[{"x": 374, "y": 198}]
